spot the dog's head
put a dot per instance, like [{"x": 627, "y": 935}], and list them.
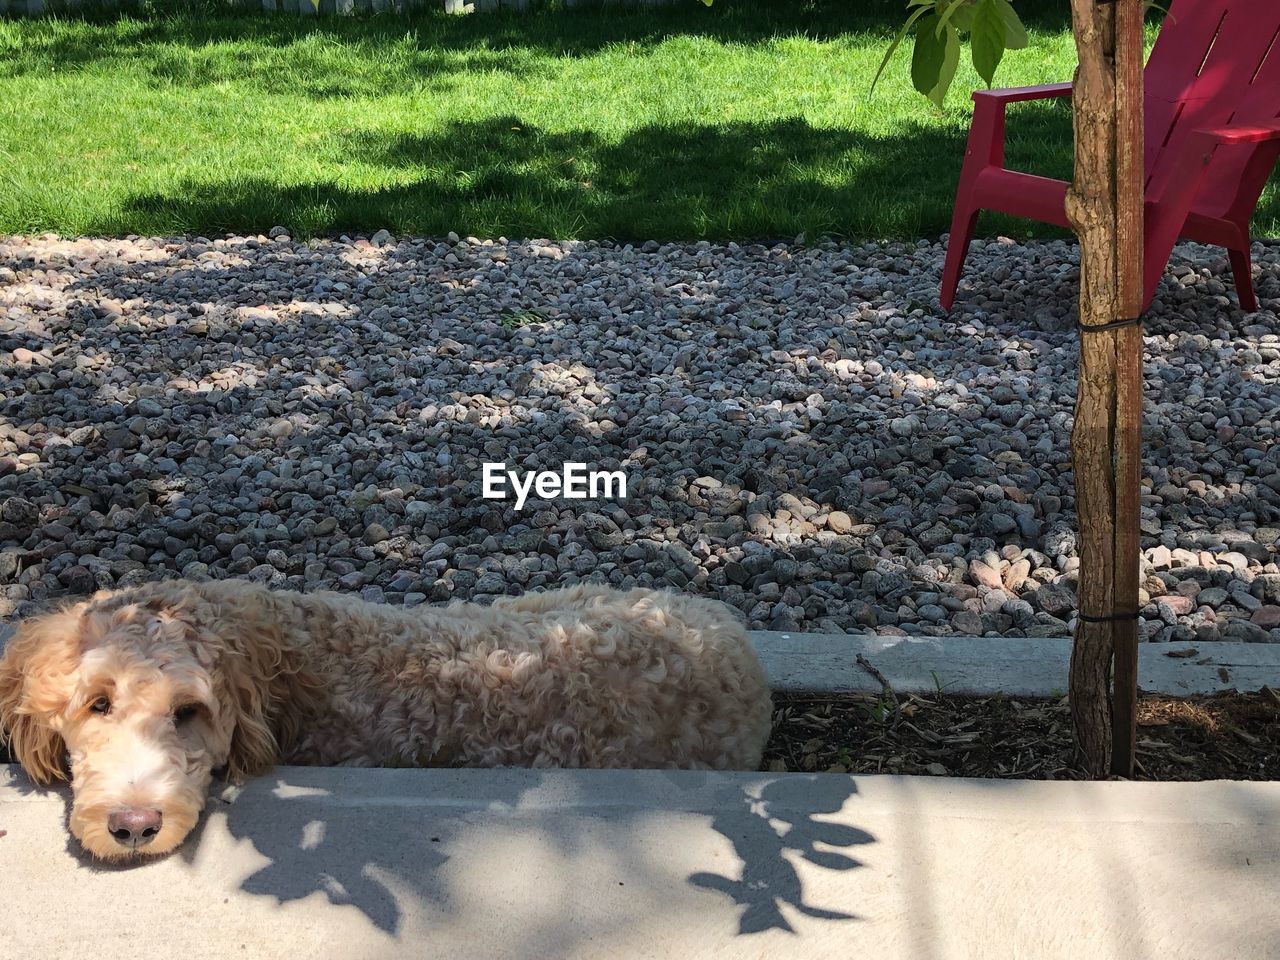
[{"x": 137, "y": 699}]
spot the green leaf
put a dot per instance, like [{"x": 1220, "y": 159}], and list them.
[
  {"x": 926, "y": 61},
  {"x": 950, "y": 60},
  {"x": 934, "y": 62},
  {"x": 963, "y": 17},
  {"x": 897, "y": 41},
  {"x": 953, "y": 7},
  {"x": 1015, "y": 34},
  {"x": 987, "y": 39}
]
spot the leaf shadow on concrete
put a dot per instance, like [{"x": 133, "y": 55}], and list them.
[
  {"x": 764, "y": 829},
  {"x": 384, "y": 855}
]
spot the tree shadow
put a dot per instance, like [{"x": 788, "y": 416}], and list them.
[
  {"x": 367, "y": 846},
  {"x": 504, "y": 176},
  {"x": 767, "y": 828},
  {"x": 312, "y": 847},
  {"x": 435, "y": 42}
]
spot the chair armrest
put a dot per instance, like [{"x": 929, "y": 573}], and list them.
[
  {"x": 1017, "y": 94},
  {"x": 1242, "y": 133}
]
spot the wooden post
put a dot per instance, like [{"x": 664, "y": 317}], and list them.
[{"x": 1104, "y": 204}]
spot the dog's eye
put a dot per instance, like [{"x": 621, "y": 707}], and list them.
[
  {"x": 102, "y": 705},
  {"x": 184, "y": 713}
]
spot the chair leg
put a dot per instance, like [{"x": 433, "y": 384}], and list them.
[
  {"x": 984, "y": 148},
  {"x": 1242, "y": 273},
  {"x": 963, "y": 221}
]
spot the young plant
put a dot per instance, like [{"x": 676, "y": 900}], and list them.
[
  {"x": 992, "y": 27},
  {"x": 515, "y": 319}
]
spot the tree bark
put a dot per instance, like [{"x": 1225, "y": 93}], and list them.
[
  {"x": 1104, "y": 204},
  {"x": 1131, "y": 182}
]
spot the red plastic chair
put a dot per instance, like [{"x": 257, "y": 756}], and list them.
[{"x": 1212, "y": 140}]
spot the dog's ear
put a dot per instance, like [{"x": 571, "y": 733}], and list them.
[
  {"x": 265, "y": 683},
  {"x": 35, "y": 683},
  {"x": 254, "y": 747}
]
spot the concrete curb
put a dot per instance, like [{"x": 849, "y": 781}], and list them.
[
  {"x": 822, "y": 663},
  {"x": 353, "y": 864}
]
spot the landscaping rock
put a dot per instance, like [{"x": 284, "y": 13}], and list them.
[
  {"x": 804, "y": 435},
  {"x": 1268, "y": 617},
  {"x": 1055, "y": 599},
  {"x": 1177, "y": 604},
  {"x": 985, "y": 575}
]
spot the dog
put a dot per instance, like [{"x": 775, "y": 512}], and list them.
[{"x": 139, "y": 696}]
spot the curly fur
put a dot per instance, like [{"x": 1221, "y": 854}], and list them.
[{"x": 583, "y": 677}]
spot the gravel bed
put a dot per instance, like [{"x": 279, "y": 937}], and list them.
[{"x": 804, "y": 435}]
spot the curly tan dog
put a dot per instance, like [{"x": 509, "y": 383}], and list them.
[{"x": 138, "y": 696}]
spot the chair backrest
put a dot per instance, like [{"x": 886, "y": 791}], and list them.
[{"x": 1215, "y": 62}]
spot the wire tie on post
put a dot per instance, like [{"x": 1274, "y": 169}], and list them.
[
  {"x": 1110, "y": 618},
  {"x": 1113, "y": 325}
]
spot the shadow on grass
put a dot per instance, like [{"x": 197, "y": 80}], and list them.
[
  {"x": 579, "y": 32},
  {"x": 501, "y": 176},
  {"x": 279, "y": 56}
]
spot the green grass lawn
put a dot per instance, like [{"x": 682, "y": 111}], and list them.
[{"x": 746, "y": 120}]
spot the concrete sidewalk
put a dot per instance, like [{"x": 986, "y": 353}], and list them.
[{"x": 344, "y": 864}]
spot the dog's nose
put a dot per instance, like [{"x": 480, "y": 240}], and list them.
[{"x": 134, "y": 827}]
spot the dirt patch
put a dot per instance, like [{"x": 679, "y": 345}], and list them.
[{"x": 1229, "y": 736}]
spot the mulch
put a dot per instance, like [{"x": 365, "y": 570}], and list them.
[{"x": 1229, "y": 736}]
